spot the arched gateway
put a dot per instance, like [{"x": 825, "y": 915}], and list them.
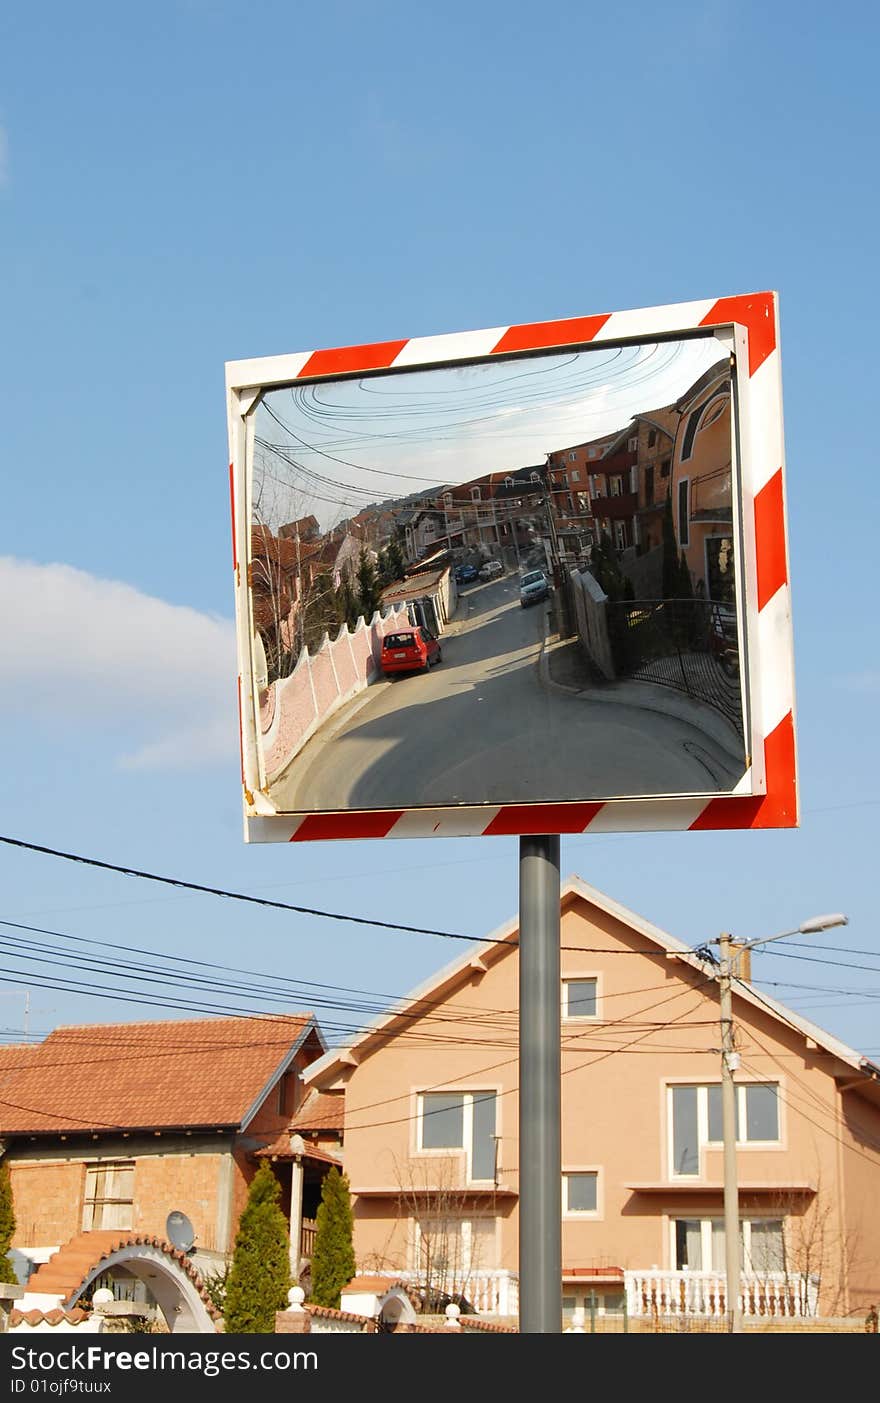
[{"x": 167, "y": 1272}]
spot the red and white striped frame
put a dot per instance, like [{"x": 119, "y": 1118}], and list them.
[{"x": 767, "y": 797}]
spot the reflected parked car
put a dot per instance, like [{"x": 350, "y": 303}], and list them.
[
  {"x": 465, "y": 574},
  {"x": 491, "y": 569},
  {"x": 533, "y": 587},
  {"x": 410, "y": 650}
]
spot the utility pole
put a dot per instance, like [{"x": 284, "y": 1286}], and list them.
[
  {"x": 540, "y": 1069},
  {"x": 729, "y": 1064}
]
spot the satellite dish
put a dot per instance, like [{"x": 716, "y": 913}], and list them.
[{"x": 180, "y": 1231}]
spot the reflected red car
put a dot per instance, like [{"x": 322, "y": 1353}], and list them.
[{"x": 410, "y": 650}]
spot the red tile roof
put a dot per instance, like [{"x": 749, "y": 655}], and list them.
[
  {"x": 135, "y": 1076},
  {"x": 320, "y": 1111},
  {"x": 376, "y": 1285},
  {"x": 367, "y": 1322},
  {"x": 49, "y": 1317},
  {"x": 67, "y": 1269},
  {"x": 280, "y": 1149}
]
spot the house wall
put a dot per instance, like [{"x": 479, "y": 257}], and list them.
[
  {"x": 860, "y": 1228},
  {"x": 658, "y": 1024},
  {"x": 183, "y": 1173},
  {"x": 708, "y": 471}
]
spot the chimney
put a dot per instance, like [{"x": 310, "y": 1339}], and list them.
[{"x": 740, "y": 961}]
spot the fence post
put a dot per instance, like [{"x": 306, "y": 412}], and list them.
[{"x": 592, "y": 1312}]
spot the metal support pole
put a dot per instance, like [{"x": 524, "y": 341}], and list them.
[
  {"x": 728, "y": 1132},
  {"x": 540, "y": 1067}
]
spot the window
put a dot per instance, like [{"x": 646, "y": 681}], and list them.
[
  {"x": 580, "y": 1192},
  {"x": 460, "y": 1120},
  {"x": 449, "y": 1246},
  {"x": 574, "y": 475},
  {"x": 693, "y": 423},
  {"x": 652, "y": 437},
  {"x": 632, "y": 445},
  {"x": 572, "y": 457},
  {"x": 699, "y": 1245},
  {"x": 696, "y": 1121},
  {"x": 649, "y": 485},
  {"x": 665, "y": 466},
  {"x": 579, "y": 998},
  {"x": 109, "y": 1196},
  {"x": 683, "y": 523},
  {"x": 475, "y": 494},
  {"x": 592, "y": 452}
]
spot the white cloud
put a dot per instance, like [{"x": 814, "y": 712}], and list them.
[{"x": 76, "y": 650}]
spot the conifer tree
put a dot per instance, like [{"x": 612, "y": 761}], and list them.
[
  {"x": 369, "y": 588},
  {"x": 259, "y": 1277},
  {"x": 333, "y": 1262},
  {"x": 7, "y": 1224}
]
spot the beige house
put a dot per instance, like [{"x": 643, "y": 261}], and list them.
[{"x": 431, "y": 1135}]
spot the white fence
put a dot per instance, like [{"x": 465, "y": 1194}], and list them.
[
  {"x": 489, "y": 1291},
  {"x": 702, "y": 1293}
]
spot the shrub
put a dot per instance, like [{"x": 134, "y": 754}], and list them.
[{"x": 259, "y": 1277}]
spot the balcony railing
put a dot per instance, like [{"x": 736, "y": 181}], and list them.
[
  {"x": 491, "y": 1291},
  {"x": 702, "y": 1293},
  {"x": 615, "y": 508},
  {"x": 307, "y": 1237}
]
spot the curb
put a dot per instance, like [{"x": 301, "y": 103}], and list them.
[{"x": 651, "y": 698}]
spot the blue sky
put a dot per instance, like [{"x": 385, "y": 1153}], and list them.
[{"x": 199, "y": 182}]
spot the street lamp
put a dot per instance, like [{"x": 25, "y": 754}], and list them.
[{"x": 729, "y": 1064}]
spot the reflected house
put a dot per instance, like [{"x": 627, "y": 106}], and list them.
[
  {"x": 614, "y": 486},
  {"x": 498, "y": 510},
  {"x": 571, "y": 479},
  {"x": 429, "y": 594},
  {"x": 423, "y": 528},
  {"x": 337, "y": 557},
  {"x": 305, "y": 529},
  {"x": 655, "y": 431},
  {"x": 276, "y": 573},
  {"x": 375, "y": 526},
  {"x": 702, "y": 505},
  {"x": 288, "y": 574}
]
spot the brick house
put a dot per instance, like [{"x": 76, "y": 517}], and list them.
[
  {"x": 432, "y": 1135},
  {"x": 115, "y": 1126}
]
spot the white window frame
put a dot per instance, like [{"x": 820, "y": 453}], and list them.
[
  {"x": 703, "y": 1141},
  {"x": 465, "y": 1150},
  {"x": 741, "y": 1090},
  {"x": 706, "y": 1227},
  {"x": 465, "y": 1221},
  {"x": 580, "y": 979},
  {"x": 583, "y": 1214}
]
